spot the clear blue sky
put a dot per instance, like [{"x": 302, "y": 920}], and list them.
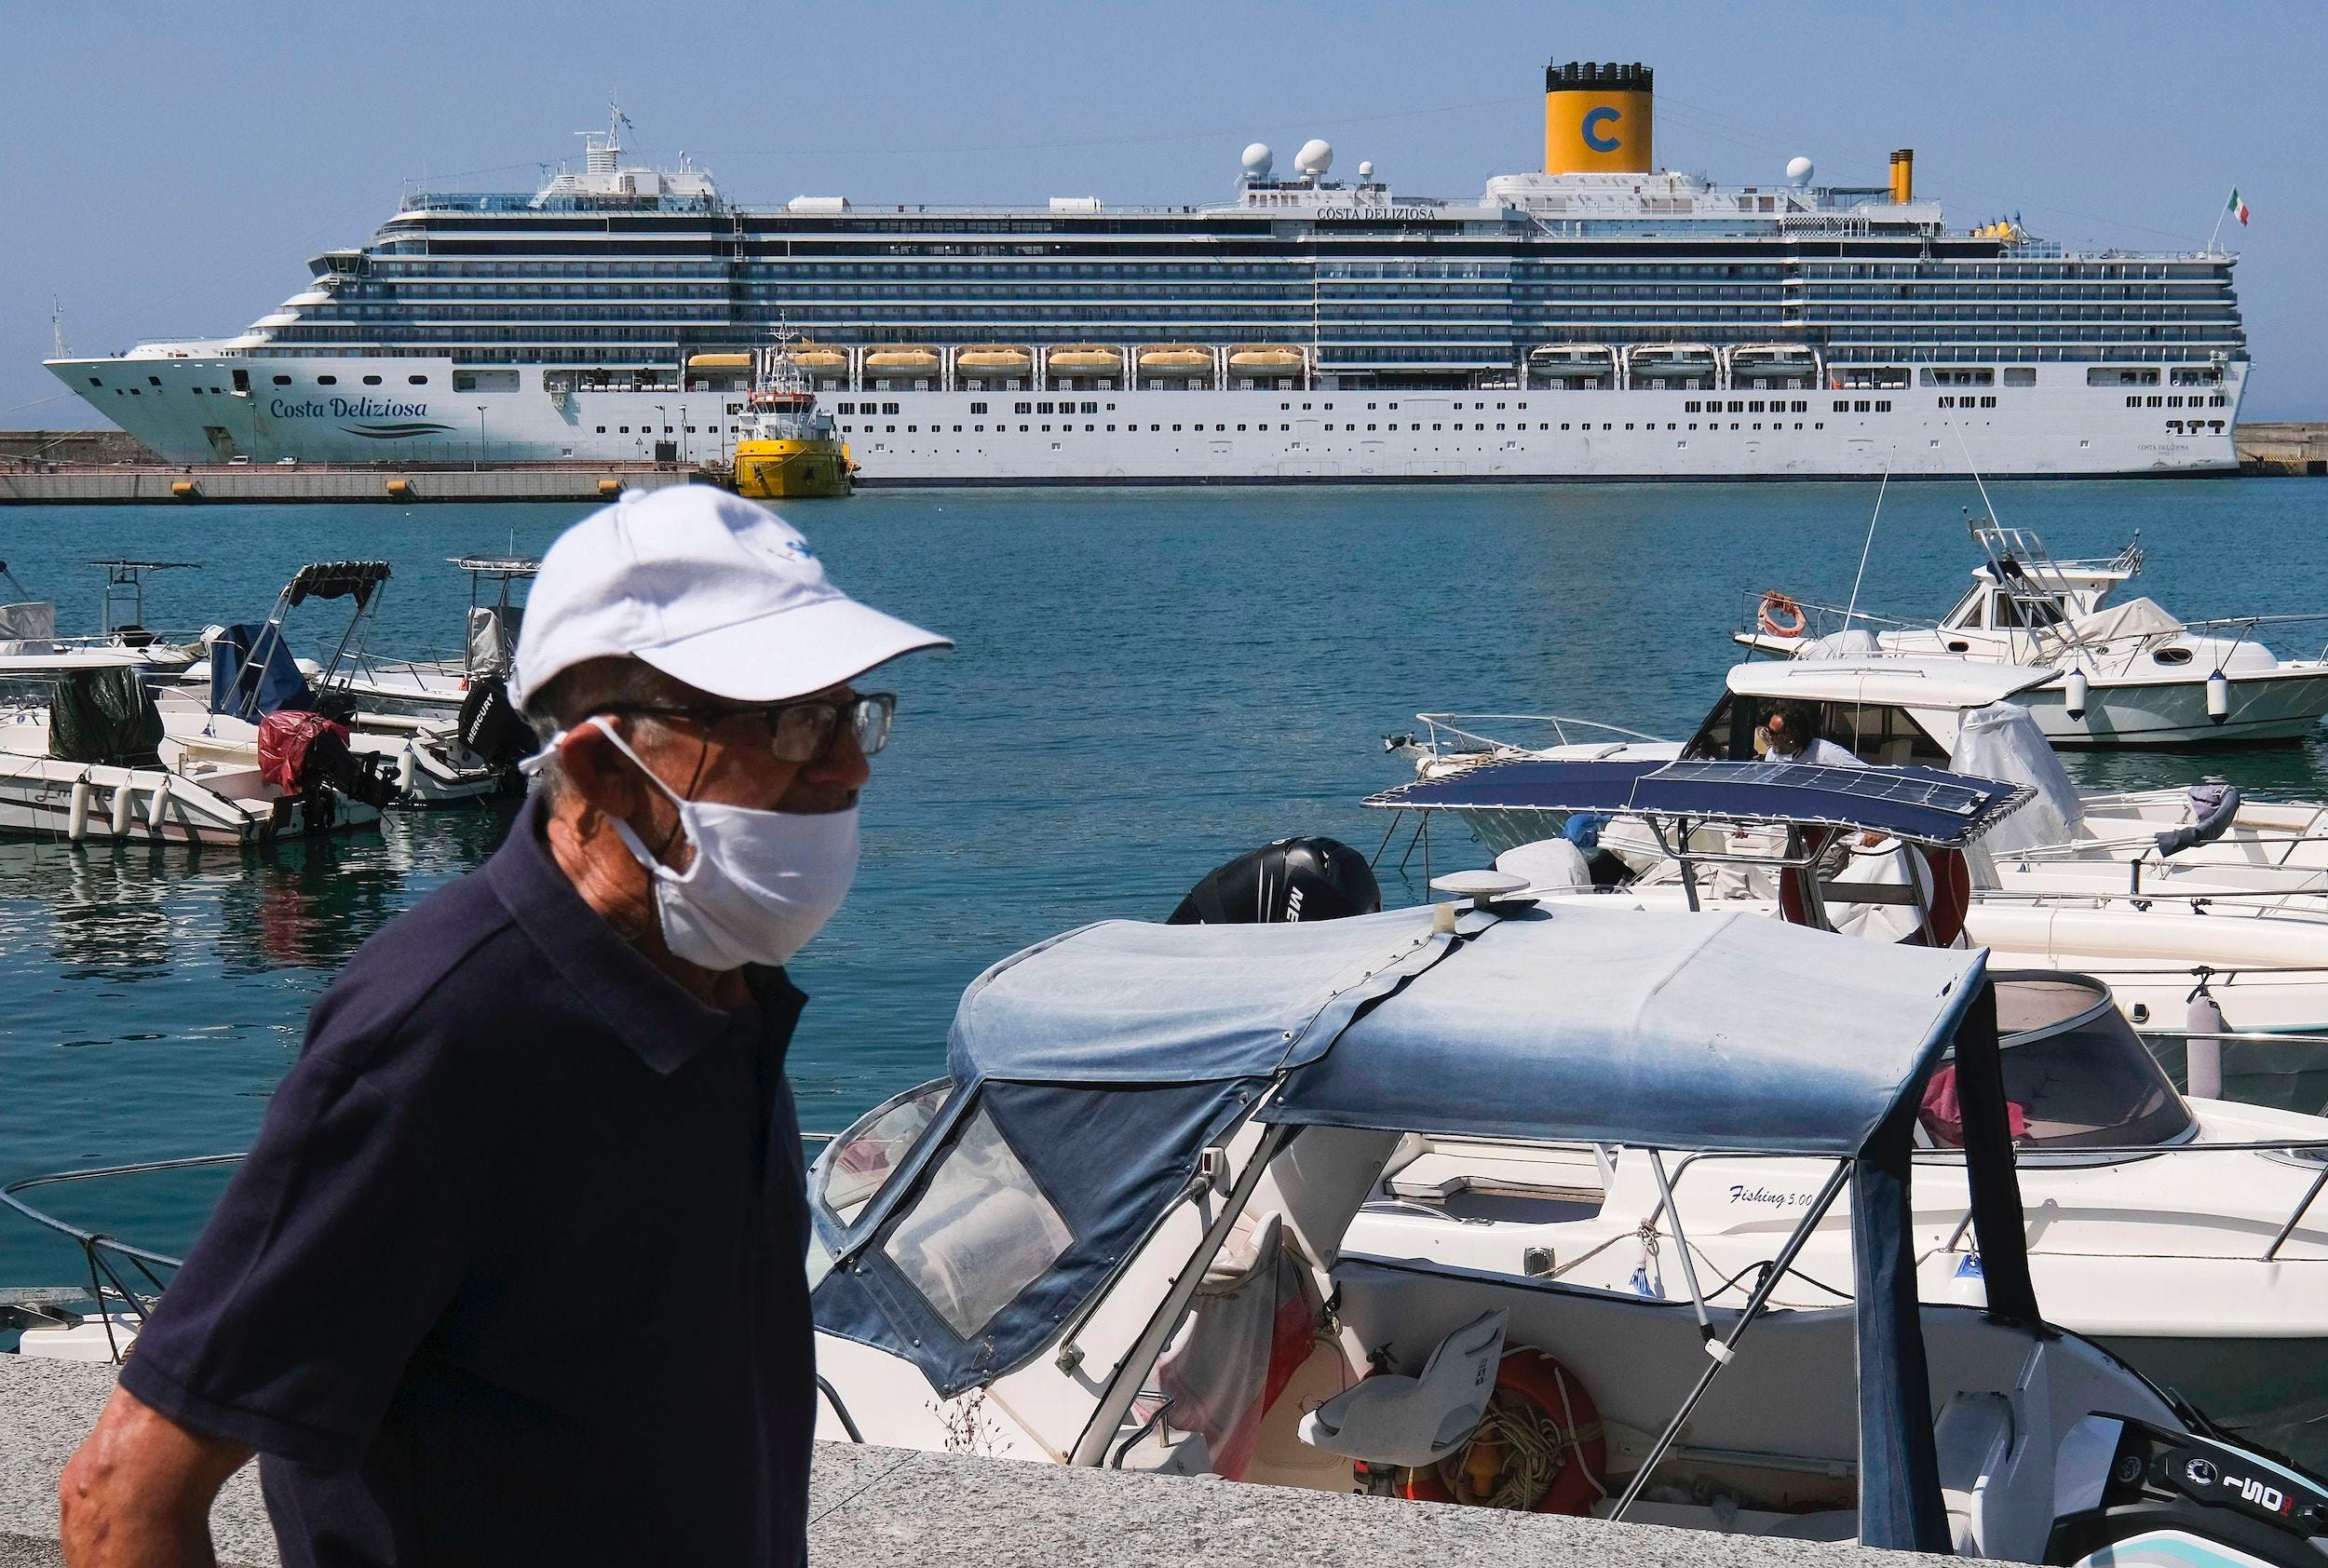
[{"x": 171, "y": 167}]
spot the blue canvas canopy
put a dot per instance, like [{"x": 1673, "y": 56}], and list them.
[
  {"x": 254, "y": 673},
  {"x": 1091, "y": 1072},
  {"x": 1917, "y": 805}
]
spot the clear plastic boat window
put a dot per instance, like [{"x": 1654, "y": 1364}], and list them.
[
  {"x": 981, "y": 1232},
  {"x": 865, "y": 1156}
]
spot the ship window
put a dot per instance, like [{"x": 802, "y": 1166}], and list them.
[
  {"x": 1801, "y": 407},
  {"x": 417, "y": 380},
  {"x": 1434, "y": 427},
  {"x": 975, "y": 408},
  {"x": 1369, "y": 427},
  {"x": 282, "y": 381},
  {"x": 1565, "y": 426},
  {"x": 326, "y": 381},
  {"x": 978, "y": 429},
  {"x": 1289, "y": 405},
  {"x": 372, "y": 381},
  {"x": 2021, "y": 375},
  {"x": 1394, "y": 407},
  {"x": 912, "y": 429},
  {"x": 1988, "y": 403},
  {"x": 602, "y": 429}
]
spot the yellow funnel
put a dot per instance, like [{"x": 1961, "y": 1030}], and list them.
[{"x": 1597, "y": 118}]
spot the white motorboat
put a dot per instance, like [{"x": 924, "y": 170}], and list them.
[
  {"x": 254, "y": 681},
  {"x": 1121, "y": 1233},
  {"x": 1890, "y": 854},
  {"x": 436, "y": 689},
  {"x": 2124, "y": 674},
  {"x": 33, "y": 656},
  {"x": 146, "y": 785},
  {"x": 2182, "y": 1234},
  {"x": 1917, "y": 710}
]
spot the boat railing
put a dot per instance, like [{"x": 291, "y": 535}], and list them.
[
  {"x": 2230, "y": 899},
  {"x": 1460, "y": 737},
  {"x": 1819, "y": 619}
]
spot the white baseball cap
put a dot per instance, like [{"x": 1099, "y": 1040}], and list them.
[{"x": 708, "y": 588}]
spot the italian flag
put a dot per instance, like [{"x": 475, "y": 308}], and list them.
[{"x": 2237, "y": 207}]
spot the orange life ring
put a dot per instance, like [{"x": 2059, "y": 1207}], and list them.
[
  {"x": 1775, "y": 604},
  {"x": 1533, "y": 1387}
]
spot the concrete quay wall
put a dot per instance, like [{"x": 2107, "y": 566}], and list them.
[
  {"x": 937, "y": 1510},
  {"x": 63, "y": 484},
  {"x": 2282, "y": 449}
]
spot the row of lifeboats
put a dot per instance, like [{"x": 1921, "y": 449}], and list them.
[{"x": 999, "y": 361}]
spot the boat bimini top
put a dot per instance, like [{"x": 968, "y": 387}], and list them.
[
  {"x": 1097, "y": 1078},
  {"x": 1920, "y": 805}
]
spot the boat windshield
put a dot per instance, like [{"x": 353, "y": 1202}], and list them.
[
  {"x": 1876, "y": 733},
  {"x": 2075, "y": 1073}
]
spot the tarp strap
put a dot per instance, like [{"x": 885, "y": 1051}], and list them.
[
  {"x": 1988, "y": 1157},
  {"x": 1901, "y": 1507}
]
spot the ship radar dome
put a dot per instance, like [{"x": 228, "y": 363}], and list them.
[
  {"x": 1314, "y": 158},
  {"x": 1365, "y": 170},
  {"x": 1798, "y": 172},
  {"x": 1257, "y": 160}
]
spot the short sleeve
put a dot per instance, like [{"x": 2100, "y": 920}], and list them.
[{"x": 333, "y": 1251}]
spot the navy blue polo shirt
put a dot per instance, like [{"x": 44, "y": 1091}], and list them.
[{"x": 514, "y": 1272}]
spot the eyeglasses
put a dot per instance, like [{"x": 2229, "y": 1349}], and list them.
[{"x": 798, "y": 731}]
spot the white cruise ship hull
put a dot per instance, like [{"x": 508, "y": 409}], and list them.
[{"x": 184, "y": 408}]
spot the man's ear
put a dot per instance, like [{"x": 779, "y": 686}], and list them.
[{"x": 598, "y": 772}]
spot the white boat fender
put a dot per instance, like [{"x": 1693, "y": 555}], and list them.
[
  {"x": 76, "y": 818},
  {"x": 2076, "y": 689},
  {"x": 157, "y": 808},
  {"x": 2218, "y": 697},
  {"x": 2203, "y": 1072},
  {"x": 407, "y": 769},
  {"x": 122, "y": 803}
]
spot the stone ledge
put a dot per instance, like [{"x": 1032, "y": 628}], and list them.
[{"x": 937, "y": 1510}]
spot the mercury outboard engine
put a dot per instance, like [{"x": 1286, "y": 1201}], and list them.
[
  {"x": 1295, "y": 879},
  {"x": 491, "y": 726}
]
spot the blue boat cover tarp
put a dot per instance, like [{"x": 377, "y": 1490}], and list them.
[
  {"x": 1106, "y": 1060},
  {"x": 1919, "y": 804},
  {"x": 1576, "y": 1023},
  {"x": 248, "y": 685}
]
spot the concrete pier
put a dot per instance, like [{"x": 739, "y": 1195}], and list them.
[
  {"x": 937, "y": 1510},
  {"x": 2283, "y": 449},
  {"x": 53, "y": 484}
]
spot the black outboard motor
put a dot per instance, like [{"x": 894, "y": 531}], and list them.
[
  {"x": 2196, "y": 1497},
  {"x": 1295, "y": 879},
  {"x": 491, "y": 725}
]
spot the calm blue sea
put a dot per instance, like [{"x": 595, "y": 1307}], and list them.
[{"x": 1148, "y": 682}]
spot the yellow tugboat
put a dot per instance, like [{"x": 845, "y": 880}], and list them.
[{"x": 785, "y": 447}]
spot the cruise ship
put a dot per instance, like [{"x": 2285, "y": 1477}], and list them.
[{"x": 1599, "y": 318}]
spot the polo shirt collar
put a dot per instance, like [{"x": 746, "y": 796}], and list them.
[{"x": 656, "y": 1016}]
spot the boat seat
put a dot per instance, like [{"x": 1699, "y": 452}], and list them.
[
  {"x": 1414, "y": 1421},
  {"x": 1974, "y": 1439}
]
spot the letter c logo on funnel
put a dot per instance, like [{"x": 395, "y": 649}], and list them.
[{"x": 1592, "y": 137}]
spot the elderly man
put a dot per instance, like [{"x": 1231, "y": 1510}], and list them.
[{"x": 514, "y": 1272}]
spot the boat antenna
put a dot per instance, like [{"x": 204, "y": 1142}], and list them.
[
  {"x": 1881, "y": 486},
  {"x": 1987, "y": 504},
  {"x": 56, "y": 328}
]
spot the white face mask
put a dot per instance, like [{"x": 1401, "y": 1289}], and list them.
[{"x": 761, "y": 883}]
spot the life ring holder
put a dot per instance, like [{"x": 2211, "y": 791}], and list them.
[
  {"x": 1950, "y": 898},
  {"x": 1579, "y": 1442},
  {"x": 1775, "y": 604}
]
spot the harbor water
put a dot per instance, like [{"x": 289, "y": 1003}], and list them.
[{"x": 1148, "y": 682}]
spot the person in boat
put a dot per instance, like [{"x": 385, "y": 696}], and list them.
[
  {"x": 560, "y": 1077},
  {"x": 1790, "y": 734}
]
